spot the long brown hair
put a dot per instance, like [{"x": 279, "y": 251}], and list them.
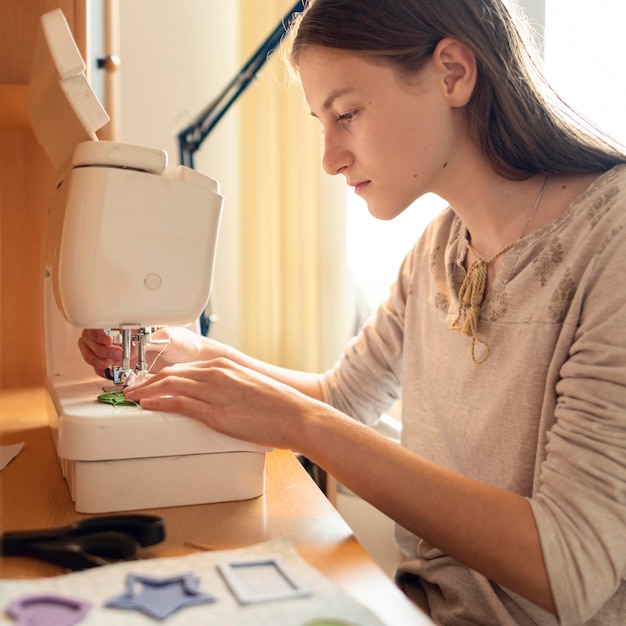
[{"x": 518, "y": 121}]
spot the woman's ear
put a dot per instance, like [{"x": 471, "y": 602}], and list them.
[{"x": 457, "y": 66}]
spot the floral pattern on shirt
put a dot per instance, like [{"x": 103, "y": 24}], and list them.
[
  {"x": 546, "y": 263},
  {"x": 601, "y": 205},
  {"x": 562, "y": 297}
]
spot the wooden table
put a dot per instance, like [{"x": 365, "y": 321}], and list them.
[{"x": 33, "y": 494}]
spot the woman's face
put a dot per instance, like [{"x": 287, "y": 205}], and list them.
[{"x": 391, "y": 139}]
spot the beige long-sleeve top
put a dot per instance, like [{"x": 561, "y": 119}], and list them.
[{"x": 544, "y": 416}]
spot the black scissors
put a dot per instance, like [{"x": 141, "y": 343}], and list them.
[{"x": 88, "y": 543}]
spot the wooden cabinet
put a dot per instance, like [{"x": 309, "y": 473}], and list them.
[{"x": 26, "y": 185}]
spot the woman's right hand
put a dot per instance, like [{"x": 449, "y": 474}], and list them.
[{"x": 172, "y": 345}]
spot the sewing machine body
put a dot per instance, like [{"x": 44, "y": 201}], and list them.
[{"x": 130, "y": 244}]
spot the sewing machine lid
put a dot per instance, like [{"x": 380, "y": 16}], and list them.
[
  {"x": 64, "y": 111},
  {"x": 113, "y": 154}
]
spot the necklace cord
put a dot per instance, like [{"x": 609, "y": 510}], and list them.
[{"x": 472, "y": 291}]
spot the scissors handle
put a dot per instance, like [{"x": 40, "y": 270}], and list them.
[
  {"x": 89, "y": 542},
  {"x": 83, "y": 552},
  {"x": 147, "y": 530}
]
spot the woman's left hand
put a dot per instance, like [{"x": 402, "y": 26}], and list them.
[{"x": 230, "y": 398}]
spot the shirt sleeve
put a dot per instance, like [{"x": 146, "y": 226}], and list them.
[
  {"x": 366, "y": 380},
  {"x": 580, "y": 504}
]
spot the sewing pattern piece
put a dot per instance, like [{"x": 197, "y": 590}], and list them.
[
  {"x": 47, "y": 610},
  {"x": 160, "y": 598}
]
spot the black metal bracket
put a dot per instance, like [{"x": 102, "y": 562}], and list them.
[{"x": 190, "y": 139}]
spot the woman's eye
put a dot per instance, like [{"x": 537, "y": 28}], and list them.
[{"x": 346, "y": 117}]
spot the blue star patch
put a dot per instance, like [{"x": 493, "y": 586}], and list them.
[{"x": 159, "y": 598}]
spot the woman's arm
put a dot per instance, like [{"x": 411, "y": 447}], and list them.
[{"x": 486, "y": 528}]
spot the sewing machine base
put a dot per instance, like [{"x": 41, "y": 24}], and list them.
[{"x": 119, "y": 458}]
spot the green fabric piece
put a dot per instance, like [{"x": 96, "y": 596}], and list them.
[{"x": 117, "y": 398}]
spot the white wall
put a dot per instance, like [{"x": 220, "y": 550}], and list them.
[
  {"x": 175, "y": 58},
  {"x": 583, "y": 59}
]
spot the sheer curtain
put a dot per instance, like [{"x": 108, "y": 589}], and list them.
[{"x": 295, "y": 301}]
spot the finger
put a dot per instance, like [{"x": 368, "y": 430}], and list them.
[
  {"x": 171, "y": 394},
  {"x": 194, "y": 371},
  {"x": 98, "y": 361},
  {"x": 168, "y": 384},
  {"x": 184, "y": 405},
  {"x": 162, "y": 334},
  {"x": 214, "y": 417},
  {"x": 95, "y": 337},
  {"x": 99, "y": 343}
]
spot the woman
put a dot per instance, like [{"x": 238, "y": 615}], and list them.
[{"x": 504, "y": 330}]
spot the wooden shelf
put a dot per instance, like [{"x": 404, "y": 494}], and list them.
[
  {"x": 26, "y": 182},
  {"x": 14, "y": 107}
]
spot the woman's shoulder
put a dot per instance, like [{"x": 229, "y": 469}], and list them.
[
  {"x": 601, "y": 208},
  {"x": 605, "y": 188}
]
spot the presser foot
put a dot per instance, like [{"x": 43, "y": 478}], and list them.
[
  {"x": 123, "y": 375},
  {"x": 120, "y": 377}
]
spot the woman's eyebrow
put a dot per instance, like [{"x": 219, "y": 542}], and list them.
[{"x": 332, "y": 97}]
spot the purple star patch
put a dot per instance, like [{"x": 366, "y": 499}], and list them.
[{"x": 159, "y": 598}]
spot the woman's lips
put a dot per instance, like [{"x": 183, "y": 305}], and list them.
[{"x": 359, "y": 187}]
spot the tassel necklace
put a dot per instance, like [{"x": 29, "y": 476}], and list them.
[{"x": 472, "y": 289}]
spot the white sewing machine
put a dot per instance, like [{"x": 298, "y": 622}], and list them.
[{"x": 130, "y": 246}]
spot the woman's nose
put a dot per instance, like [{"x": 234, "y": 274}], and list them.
[{"x": 336, "y": 156}]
